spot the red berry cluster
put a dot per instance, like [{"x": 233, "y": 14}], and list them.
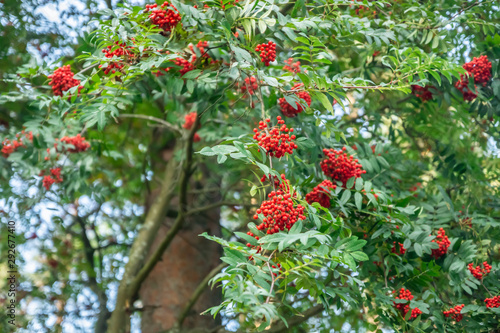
[
  {"x": 287, "y": 109},
  {"x": 62, "y": 80},
  {"x": 399, "y": 246},
  {"x": 493, "y": 302},
  {"x": 293, "y": 67},
  {"x": 202, "y": 47},
  {"x": 118, "y": 50},
  {"x": 277, "y": 269},
  {"x": 443, "y": 242},
  {"x": 11, "y": 146},
  {"x": 422, "y": 92},
  {"x": 277, "y": 141},
  {"x": 405, "y": 307},
  {"x": 188, "y": 65},
  {"x": 462, "y": 85},
  {"x": 321, "y": 194},
  {"x": 479, "y": 272},
  {"x": 480, "y": 69},
  {"x": 78, "y": 142},
  {"x": 189, "y": 120},
  {"x": 267, "y": 52},
  {"x": 340, "y": 166},
  {"x": 250, "y": 85},
  {"x": 279, "y": 212},
  {"x": 54, "y": 177},
  {"x": 455, "y": 312},
  {"x": 166, "y": 17}
]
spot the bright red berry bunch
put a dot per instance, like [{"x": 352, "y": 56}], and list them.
[
  {"x": 11, "y": 146},
  {"x": 277, "y": 141},
  {"x": 186, "y": 65},
  {"x": 54, "y": 177},
  {"x": 279, "y": 212},
  {"x": 267, "y": 52},
  {"x": 62, "y": 80},
  {"x": 202, "y": 47},
  {"x": 287, "y": 109},
  {"x": 422, "y": 92},
  {"x": 480, "y": 68},
  {"x": 443, "y": 242},
  {"x": 166, "y": 17},
  {"x": 250, "y": 85},
  {"x": 405, "y": 307},
  {"x": 189, "y": 120},
  {"x": 397, "y": 247},
  {"x": 321, "y": 194},
  {"x": 340, "y": 166},
  {"x": 479, "y": 272},
  {"x": 118, "y": 50},
  {"x": 293, "y": 67},
  {"x": 78, "y": 142},
  {"x": 462, "y": 85},
  {"x": 493, "y": 302},
  {"x": 455, "y": 312}
]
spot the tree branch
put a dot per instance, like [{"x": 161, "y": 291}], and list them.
[
  {"x": 296, "y": 320},
  {"x": 141, "y": 246},
  {"x": 165, "y": 124},
  {"x": 158, "y": 253}
]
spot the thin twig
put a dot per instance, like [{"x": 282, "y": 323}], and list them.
[{"x": 151, "y": 118}]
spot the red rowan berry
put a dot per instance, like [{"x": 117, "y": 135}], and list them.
[
  {"x": 119, "y": 50},
  {"x": 250, "y": 85},
  {"x": 443, "y": 242},
  {"x": 165, "y": 18},
  {"x": 422, "y": 92},
  {"x": 493, "y": 302},
  {"x": 267, "y": 52},
  {"x": 47, "y": 182},
  {"x": 62, "y": 80},
  {"x": 277, "y": 141},
  {"x": 56, "y": 173},
  {"x": 340, "y": 166},
  {"x": 321, "y": 194},
  {"x": 287, "y": 109},
  {"x": 11, "y": 146},
  {"x": 455, "y": 312},
  {"x": 479, "y": 272},
  {"x": 480, "y": 69},
  {"x": 78, "y": 142},
  {"x": 189, "y": 120},
  {"x": 293, "y": 67},
  {"x": 399, "y": 246},
  {"x": 405, "y": 307}
]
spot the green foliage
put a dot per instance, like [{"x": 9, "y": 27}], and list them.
[{"x": 429, "y": 164}]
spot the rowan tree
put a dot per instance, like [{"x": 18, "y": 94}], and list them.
[{"x": 282, "y": 167}]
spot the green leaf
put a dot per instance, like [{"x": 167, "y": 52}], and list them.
[
  {"x": 349, "y": 261},
  {"x": 418, "y": 249},
  {"x": 324, "y": 100},
  {"x": 358, "y": 198},
  {"x": 360, "y": 256}
]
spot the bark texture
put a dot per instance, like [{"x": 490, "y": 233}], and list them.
[{"x": 183, "y": 266}]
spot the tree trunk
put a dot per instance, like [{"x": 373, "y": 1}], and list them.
[{"x": 183, "y": 267}]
